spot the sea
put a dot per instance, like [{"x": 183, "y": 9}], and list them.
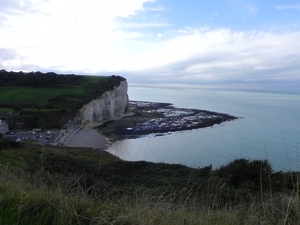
[{"x": 268, "y": 128}]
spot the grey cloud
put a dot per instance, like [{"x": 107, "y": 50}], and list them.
[
  {"x": 7, "y": 54},
  {"x": 176, "y": 74},
  {"x": 263, "y": 84},
  {"x": 276, "y": 74},
  {"x": 16, "y": 7}
]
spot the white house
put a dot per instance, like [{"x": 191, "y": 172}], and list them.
[{"x": 3, "y": 127}]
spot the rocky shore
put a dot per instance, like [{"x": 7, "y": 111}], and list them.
[
  {"x": 160, "y": 119},
  {"x": 144, "y": 118}
]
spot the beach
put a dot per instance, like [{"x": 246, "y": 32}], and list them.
[
  {"x": 144, "y": 118},
  {"x": 85, "y": 138}
]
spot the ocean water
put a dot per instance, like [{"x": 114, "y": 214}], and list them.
[{"x": 269, "y": 129}]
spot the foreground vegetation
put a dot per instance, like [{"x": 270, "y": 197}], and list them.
[
  {"x": 38, "y": 100},
  {"x": 50, "y": 185}
]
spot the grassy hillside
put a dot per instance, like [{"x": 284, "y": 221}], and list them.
[
  {"x": 49, "y": 185},
  {"x": 47, "y": 100},
  {"x": 31, "y": 96}
]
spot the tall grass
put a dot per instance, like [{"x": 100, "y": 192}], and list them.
[
  {"x": 23, "y": 204},
  {"x": 76, "y": 190}
]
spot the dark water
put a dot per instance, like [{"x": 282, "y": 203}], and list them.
[{"x": 270, "y": 129}]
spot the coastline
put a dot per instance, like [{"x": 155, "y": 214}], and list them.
[
  {"x": 83, "y": 137},
  {"x": 160, "y": 119},
  {"x": 143, "y": 118}
]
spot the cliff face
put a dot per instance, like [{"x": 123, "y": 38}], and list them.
[{"x": 110, "y": 105}]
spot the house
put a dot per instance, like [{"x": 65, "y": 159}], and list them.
[{"x": 3, "y": 127}]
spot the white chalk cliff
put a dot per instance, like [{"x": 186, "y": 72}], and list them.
[{"x": 110, "y": 105}]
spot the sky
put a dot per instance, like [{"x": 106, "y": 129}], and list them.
[{"x": 235, "y": 44}]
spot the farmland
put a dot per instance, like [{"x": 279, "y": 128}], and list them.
[{"x": 48, "y": 100}]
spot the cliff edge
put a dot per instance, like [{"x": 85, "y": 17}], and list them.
[{"x": 112, "y": 104}]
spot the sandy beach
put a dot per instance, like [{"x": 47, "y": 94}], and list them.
[{"x": 85, "y": 138}]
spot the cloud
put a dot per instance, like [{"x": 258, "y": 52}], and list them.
[
  {"x": 201, "y": 56},
  {"x": 70, "y": 34},
  {"x": 285, "y": 7},
  {"x": 11, "y": 8},
  {"x": 7, "y": 54},
  {"x": 8, "y": 57},
  {"x": 94, "y": 37},
  {"x": 76, "y": 10},
  {"x": 93, "y": 9},
  {"x": 156, "y": 9},
  {"x": 141, "y": 25}
]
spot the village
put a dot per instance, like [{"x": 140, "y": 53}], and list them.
[
  {"x": 145, "y": 118},
  {"x": 41, "y": 137}
]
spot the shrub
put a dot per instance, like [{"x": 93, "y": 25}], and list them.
[{"x": 242, "y": 172}]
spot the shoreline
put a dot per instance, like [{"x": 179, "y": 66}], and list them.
[
  {"x": 143, "y": 118},
  {"x": 84, "y": 137},
  {"x": 160, "y": 119}
]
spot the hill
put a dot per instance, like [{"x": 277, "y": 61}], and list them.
[
  {"x": 51, "y": 185},
  {"x": 47, "y": 100}
]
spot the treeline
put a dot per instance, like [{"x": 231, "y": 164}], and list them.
[{"x": 38, "y": 78}]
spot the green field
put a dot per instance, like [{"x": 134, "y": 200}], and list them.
[
  {"x": 49, "y": 105},
  {"x": 6, "y": 110},
  {"x": 27, "y": 95},
  {"x": 13, "y": 95}
]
